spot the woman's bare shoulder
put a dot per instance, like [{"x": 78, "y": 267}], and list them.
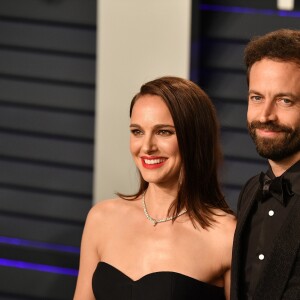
[
  {"x": 225, "y": 223},
  {"x": 107, "y": 204},
  {"x": 223, "y": 236},
  {"x": 104, "y": 207},
  {"x": 110, "y": 209}
]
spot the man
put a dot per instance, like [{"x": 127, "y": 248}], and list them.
[{"x": 266, "y": 253}]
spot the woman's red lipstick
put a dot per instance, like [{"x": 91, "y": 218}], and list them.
[{"x": 153, "y": 162}]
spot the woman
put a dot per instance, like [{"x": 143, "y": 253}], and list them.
[{"x": 173, "y": 238}]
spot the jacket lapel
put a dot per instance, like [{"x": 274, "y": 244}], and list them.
[{"x": 245, "y": 209}]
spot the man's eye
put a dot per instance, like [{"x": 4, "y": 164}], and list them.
[
  {"x": 255, "y": 98},
  {"x": 285, "y": 101}
]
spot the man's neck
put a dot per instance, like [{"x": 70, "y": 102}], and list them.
[{"x": 279, "y": 167}]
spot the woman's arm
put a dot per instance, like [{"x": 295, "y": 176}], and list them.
[
  {"x": 89, "y": 258},
  {"x": 227, "y": 276},
  {"x": 227, "y": 244}
]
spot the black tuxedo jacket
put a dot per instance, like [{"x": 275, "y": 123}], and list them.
[{"x": 280, "y": 278}]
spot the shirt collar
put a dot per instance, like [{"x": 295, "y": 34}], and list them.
[{"x": 292, "y": 174}]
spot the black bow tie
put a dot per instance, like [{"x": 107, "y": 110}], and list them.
[{"x": 278, "y": 187}]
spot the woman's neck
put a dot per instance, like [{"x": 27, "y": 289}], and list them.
[{"x": 159, "y": 200}]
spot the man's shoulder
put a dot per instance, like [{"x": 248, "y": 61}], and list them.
[
  {"x": 248, "y": 190},
  {"x": 251, "y": 183}
]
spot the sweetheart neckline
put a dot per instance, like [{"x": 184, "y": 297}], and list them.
[{"x": 156, "y": 273}]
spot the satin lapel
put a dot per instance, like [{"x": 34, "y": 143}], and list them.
[
  {"x": 246, "y": 206},
  {"x": 278, "y": 268}
]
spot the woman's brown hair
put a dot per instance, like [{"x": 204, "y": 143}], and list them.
[{"x": 197, "y": 132}]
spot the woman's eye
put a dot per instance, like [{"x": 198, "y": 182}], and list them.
[
  {"x": 164, "y": 132},
  {"x": 136, "y": 132}
]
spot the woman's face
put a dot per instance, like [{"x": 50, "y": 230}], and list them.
[{"x": 153, "y": 141}]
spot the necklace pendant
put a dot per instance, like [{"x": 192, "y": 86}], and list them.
[{"x": 161, "y": 220}]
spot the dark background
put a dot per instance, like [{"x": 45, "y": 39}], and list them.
[{"x": 47, "y": 101}]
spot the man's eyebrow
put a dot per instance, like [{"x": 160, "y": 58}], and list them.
[
  {"x": 282, "y": 94},
  {"x": 253, "y": 92},
  {"x": 287, "y": 94}
]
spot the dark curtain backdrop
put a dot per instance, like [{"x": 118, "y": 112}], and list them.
[{"x": 47, "y": 99}]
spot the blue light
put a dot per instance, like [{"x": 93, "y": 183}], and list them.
[
  {"x": 39, "y": 245},
  {"x": 248, "y": 10},
  {"x": 37, "y": 267}
]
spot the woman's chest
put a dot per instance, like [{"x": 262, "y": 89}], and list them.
[{"x": 139, "y": 252}]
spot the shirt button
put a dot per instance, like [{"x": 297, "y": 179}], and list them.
[
  {"x": 261, "y": 257},
  {"x": 271, "y": 213}
]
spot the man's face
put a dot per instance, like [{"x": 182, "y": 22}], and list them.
[{"x": 274, "y": 109}]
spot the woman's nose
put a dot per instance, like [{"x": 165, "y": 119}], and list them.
[{"x": 149, "y": 144}]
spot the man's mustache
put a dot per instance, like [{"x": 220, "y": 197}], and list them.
[{"x": 269, "y": 126}]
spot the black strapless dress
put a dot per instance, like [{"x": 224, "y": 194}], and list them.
[{"x": 111, "y": 284}]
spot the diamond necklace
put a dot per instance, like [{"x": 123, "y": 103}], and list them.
[{"x": 154, "y": 221}]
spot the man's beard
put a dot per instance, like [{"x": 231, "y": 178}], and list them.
[{"x": 279, "y": 148}]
